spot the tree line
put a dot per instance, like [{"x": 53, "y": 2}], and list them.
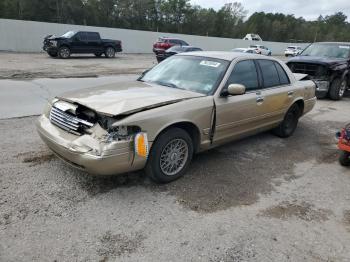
[{"x": 179, "y": 16}]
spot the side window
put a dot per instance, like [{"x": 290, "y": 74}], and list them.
[
  {"x": 82, "y": 36},
  {"x": 183, "y": 43},
  {"x": 93, "y": 36},
  {"x": 284, "y": 80},
  {"x": 175, "y": 42},
  {"x": 244, "y": 73},
  {"x": 269, "y": 73}
]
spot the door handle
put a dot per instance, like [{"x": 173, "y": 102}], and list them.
[
  {"x": 290, "y": 93},
  {"x": 260, "y": 100}
]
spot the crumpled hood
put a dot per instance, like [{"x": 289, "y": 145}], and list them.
[
  {"x": 317, "y": 60},
  {"x": 127, "y": 97}
]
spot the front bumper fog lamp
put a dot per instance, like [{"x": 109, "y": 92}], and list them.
[{"x": 141, "y": 145}]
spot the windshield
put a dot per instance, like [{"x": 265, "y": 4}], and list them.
[
  {"x": 328, "y": 50},
  {"x": 69, "y": 34},
  {"x": 197, "y": 74},
  {"x": 291, "y": 47}
]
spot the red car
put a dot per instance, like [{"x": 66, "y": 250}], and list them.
[{"x": 163, "y": 44}]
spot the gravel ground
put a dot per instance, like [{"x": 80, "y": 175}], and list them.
[
  {"x": 40, "y": 65},
  {"x": 259, "y": 199}
]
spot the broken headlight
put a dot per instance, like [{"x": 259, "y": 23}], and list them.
[{"x": 121, "y": 133}]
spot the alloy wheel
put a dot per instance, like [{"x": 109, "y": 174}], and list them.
[{"x": 173, "y": 157}]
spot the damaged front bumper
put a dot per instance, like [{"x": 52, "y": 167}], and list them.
[
  {"x": 322, "y": 87},
  {"x": 89, "y": 153}
]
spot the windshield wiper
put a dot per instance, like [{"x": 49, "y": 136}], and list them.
[{"x": 167, "y": 84}]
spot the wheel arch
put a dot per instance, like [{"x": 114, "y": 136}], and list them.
[
  {"x": 65, "y": 45},
  {"x": 300, "y": 103},
  {"x": 188, "y": 126},
  {"x": 109, "y": 45}
]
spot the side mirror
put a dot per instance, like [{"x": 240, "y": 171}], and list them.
[{"x": 236, "y": 89}]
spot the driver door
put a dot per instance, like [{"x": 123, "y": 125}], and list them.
[{"x": 239, "y": 115}]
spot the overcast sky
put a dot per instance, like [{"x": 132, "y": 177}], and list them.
[{"x": 309, "y": 9}]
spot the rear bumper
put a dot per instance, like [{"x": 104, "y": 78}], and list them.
[{"x": 72, "y": 150}]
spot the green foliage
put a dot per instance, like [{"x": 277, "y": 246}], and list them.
[{"x": 179, "y": 16}]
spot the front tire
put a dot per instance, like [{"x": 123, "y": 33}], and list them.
[
  {"x": 170, "y": 156},
  {"x": 64, "y": 52},
  {"x": 98, "y": 54},
  {"x": 337, "y": 89},
  {"x": 110, "y": 52},
  {"x": 344, "y": 158},
  {"x": 52, "y": 54},
  {"x": 289, "y": 123}
]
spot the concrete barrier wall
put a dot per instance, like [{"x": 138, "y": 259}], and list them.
[{"x": 27, "y": 36}]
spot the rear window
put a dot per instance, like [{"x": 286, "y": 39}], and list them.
[
  {"x": 284, "y": 79},
  {"x": 93, "y": 36},
  {"x": 195, "y": 49}
]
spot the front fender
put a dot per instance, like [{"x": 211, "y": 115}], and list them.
[{"x": 197, "y": 111}]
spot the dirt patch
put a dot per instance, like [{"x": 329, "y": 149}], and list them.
[
  {"x": 346, "y": 219},
  {"x": 303, "y": 210},
  {"x": 237, "y": 173},
  {"x": 241, "y": 252},
  {"x": 96, "y": 185},
  {"x": 115, "y": 245},
  {"x": 36, "y": 158}
]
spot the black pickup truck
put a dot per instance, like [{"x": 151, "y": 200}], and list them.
[
  {"x": 328, "y": 65},
  {"x": 80, "y": 42}
]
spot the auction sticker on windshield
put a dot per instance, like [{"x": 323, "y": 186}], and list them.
[{"x": 210, "y": 63}]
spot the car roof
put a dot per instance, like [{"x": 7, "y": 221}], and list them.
[
  {"x": 224, "y": 55},
  {"x": 166, "y": 37},
  {"x": 86, "y": 32}
]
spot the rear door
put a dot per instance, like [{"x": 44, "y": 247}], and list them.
[
  {"x": 94, "y": 42},
  {"x": 237, "y": 115},
  {"x": 79, "y": 43},
  {"x": 277, "y": 94}
]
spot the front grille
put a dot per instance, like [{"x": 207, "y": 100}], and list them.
[
  {"x": 306, "y": 68},
  {"x": 68, "y": 122}
]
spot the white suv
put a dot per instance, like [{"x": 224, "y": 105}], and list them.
[
  {"x": 292, "y": 51},
  {"x": 262, "y": 50}
]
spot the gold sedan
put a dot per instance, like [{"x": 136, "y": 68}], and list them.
[{"x": 187, "y": 104}]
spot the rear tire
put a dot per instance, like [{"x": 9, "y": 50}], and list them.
[
  {"x": 110, "y": 52},
  {"x": 64, "y": 52},
  {"x": 344, "y": 158},
  {"x": 289, "y": 123},
  {"x": 337, "y": 89},
  {"x": 170, "y": 156}
]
